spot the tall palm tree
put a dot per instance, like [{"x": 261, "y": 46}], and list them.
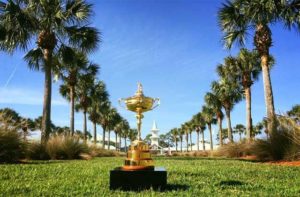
[
  {"x": 229, "y": 94},
  {"x": 125, "y": 134},
  {"x": 238, "y": 17},
  {"x": 54, "y": 25},
  {"x": 119, "y": 129},
  {"x": 83, "y": 92},
  {"x": 174, "y": 133},
  {"x": 113, "y": 121},
  {"x": 214, "y": 102},
  {"x": 247, "y": 69},
  {"x": 209, "y": 117},
  {"x": 74, "y": 63},
  {"x": 180, "y": 133},
  {"x": 191, "y": 129},
  {"x": 199, "y": 125},
  {"x": 185, "y": 128},
  {"x": 133, "y": 134},
  {"x": 104, "y": 119},
  {"x": 99, "y": 96}
]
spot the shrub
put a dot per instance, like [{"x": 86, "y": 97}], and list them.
[
  {"x": 282, "y": 144},
  {"x": 65, "y": 147},
  {"x": 12, "y": 147},
  {"x": 234, "y": 150},
  {"x": 99, "y": 152},
  {"x": 37, "y": 151}
]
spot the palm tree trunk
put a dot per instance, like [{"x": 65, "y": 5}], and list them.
[
  {"x": 125, "y": 144},
  {"x": 116, "y": 140},
  {"x": 181, "y": 144},
  {"x": 268, "y": 93},
  {"x": 229, "y": 125},
  {"x": 84, "y": 126},
  {"x": 108, "y": 139},
  {"x": 72, "y": 104},
  {"x": 46, "y": 120},
  {"x": 187, "y": 141},
  {"x": 197, "y": 140},
  {"x": 210, "y": 135},
  {"x": 220, "y": 131},
  {"x": 203, "y": 143},
  {"x": 120, "y": 142},
  {"x": 191, "y": 141},
  {"x": 103, "y": 137},
  {"x": 95, "y": 133},
  {"x": 248, "y": 113},
  {"x": 176, "y": 143}
]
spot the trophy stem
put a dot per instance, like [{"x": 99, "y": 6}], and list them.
[{"x": 139, "y": 117}]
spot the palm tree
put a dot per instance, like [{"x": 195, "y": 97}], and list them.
[
  {"x": 104, "y": 119},
  {"x": 214, "y": 102},
  {"x": 238, "y": 17},
  {"x": 119, "y": 130},
  {"x": 74, "y": 63},
  {"x": 9, "y": 119},
  {"x": 99, "y": 95},
  {"x": 54, "y": 25},
  {"x": 191, "y": 129},
  {"x": 180, "y": 133},
  {"x": 174, "y": 133},
  {"x": 240, "y": 129},
  {"x": 199, "y": 125},
  {"x": 115, "y": 119},
  {"x": 125, "y": 134},
  {"x": 83, "y": 92},
  {"x": 185, "y": 129},
  {"x": 27, "y": 125},
  {"x": 229, "y": 94},
  {"x": 133, "y": 134},
  {"x": 209, "y": 117}
]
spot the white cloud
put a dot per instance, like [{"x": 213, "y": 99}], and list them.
[{"x": 25, "y": 97}]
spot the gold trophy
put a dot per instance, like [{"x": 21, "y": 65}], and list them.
[{"x": 138, "y": 155}]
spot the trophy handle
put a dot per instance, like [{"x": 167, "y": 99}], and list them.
[
  {"x": 120, "y": 103},
  {"x": 156, "y": 102}
]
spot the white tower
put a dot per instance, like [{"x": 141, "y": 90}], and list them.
[{"x": 154, "y": 137}]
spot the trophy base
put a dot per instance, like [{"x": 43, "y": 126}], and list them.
[
  {"x": 130, "y": 168},
  {"x": 138, "y": 179},
  {"x": 138, "y": 157}
]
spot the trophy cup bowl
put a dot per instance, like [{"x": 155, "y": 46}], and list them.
[{"x": 138, "y": 155}]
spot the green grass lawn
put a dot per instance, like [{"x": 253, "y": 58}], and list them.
[{"x": 186, "y": 177}]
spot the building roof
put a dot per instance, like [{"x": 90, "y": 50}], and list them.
[{"x": 154, "y": 126}]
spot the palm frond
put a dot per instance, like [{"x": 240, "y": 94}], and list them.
[
  {"x": 35, "y": 58},
  {"x": 84, "y": 38}
]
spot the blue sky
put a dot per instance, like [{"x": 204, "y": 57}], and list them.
[{"x": 172, "y": 47}]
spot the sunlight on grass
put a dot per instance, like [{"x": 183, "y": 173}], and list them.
[{"x": 186, "y": 177}]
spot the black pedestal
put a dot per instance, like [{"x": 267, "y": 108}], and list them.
[{"x": 139, "y": 179}]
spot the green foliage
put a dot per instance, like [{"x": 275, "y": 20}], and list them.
[
  {"x": 186, "y": 177},
  {"x": 12, "y": 147}
]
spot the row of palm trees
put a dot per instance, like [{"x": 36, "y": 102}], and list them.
[
  {"x": 63, "y": 37},
  {"x": 237, "y": 18}
]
